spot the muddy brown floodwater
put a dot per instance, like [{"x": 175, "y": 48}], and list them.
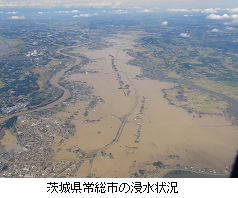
[
  {"x": 164, "y": 130},
  {"x": 136, "y": 126}
]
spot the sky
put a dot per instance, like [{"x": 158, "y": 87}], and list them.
[{"x": 165, "y": 4}]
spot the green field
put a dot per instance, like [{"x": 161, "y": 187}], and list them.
[
  {"x": 189, "y": 174},
  {"x": 196, "y": 101},
  {"x": 43, "y": 71}
]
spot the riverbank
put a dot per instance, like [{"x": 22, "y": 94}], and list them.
[
  {"x": 157, "y": 74},
  {"x": 53, "y": 81},
  {"x": 140, "y": 128},
  {"x": 126, "y": 127}
]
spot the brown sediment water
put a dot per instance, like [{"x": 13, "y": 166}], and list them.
[
  {"x": 165, "y": 130},
  {"x": 207, "y": 142}
]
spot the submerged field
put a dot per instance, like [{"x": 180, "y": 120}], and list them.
[
  {"x": 121, "y": 124},
  {"x": 130, "y": 131}
]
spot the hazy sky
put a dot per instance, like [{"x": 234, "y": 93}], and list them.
[{"x": 125, "y": 3}]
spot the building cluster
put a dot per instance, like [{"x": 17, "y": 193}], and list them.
[
  {"x": 35, "y": 138},
  {"x": 139, "y": 117},
  {"x": 40, "y": 169},
  {"x": 14, "y": 108},
  {"x": 122, "y": 86},
  {"x": 81, "y": 91},
  {"x": 36, "y": 132},
  {"x": 104, "y": 154},
  {"x": 142, "y": 173}
]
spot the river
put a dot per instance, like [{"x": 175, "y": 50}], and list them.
[
  {"x": 156, "y": 73},
  {"x": 54, "y": 81}
]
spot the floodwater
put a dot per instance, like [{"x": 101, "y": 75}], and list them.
[
  {"x": 9, "y": 141},
  {"x": 207, "y": 142},
  {"x": 232, "y": 109},
  {"x": 165, "y": 130}
]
